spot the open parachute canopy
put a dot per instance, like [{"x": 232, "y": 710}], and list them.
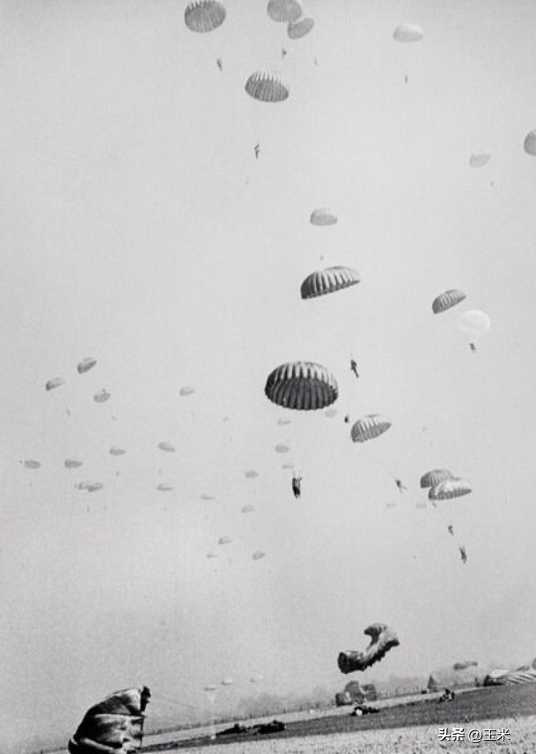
[
  {"x": 163, "y": 487},
  {"x": 369, "y": 427},
  {"x": 267, "y": 86},
  {"x": 32, "y": 464},
  {"x": 479, "y": 160},
  {"x": 224, "y": 540},
  {"x": 285, "y": 11},
  {"x": 474, "y": 324},
  {"x": 102, "y": 396},
  {"x": 167, "y": 447},
  {"x": 301, "y": 385},
  {"x": 322, "y": 217},
  {"x": 529, "y": 145},
  {"x": 204, "y": 15},
  {"x": 248, "y": 508},
  {"x": 251, "y": 474},
  {"x": 434, "y": 477},
  {"x": 54, "y": 383},
  {"x": 330, "y": 280},
  {"x": 115, "y": 450},
  {"x": 86, "y": 364},
  {"x": 301, "y": 27},
  {"x": 72, "y": 463},
  {"x": 449, "y": 489},
  {"x": 447, "y": 300},
  {"x": 258, "y": 555},
  {"x": 383, "y": 639},
  {"x": 408, "y": 33}
]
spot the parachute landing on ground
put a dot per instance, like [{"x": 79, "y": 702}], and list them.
[{"x": 383, "y": 639}]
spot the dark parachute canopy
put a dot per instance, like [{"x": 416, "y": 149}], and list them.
[
  {"x": 54, "y": 383},
  {"x": 204, "y": 15},
  {"x": 302, "y": 385},
  {"x": 86, "y": 364},
  {"x": 330, "y": 280},
  {"x": 267, "y": 86},
  {"x": 447, "y": 300},
  {"x": 383, "y": 639},
  {"x": 434, "y": 477}
]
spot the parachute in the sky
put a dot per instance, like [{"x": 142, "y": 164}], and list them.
[
  {"x": 94, "y": 486},
  {"x": 474, "y": 324},
  {"x": 32, "y": 464},
  {"x": 383, "y": 639},
  {"x": 256, "y": 679},
  {"x": 163, "y": 487},
  {"x": 115, "y": 450},
  {"x": 86, "y": 364},
  {"x": 267, "y": 86},
  {"x": 204, "y": 15},
  {"x": 369, "y": 427},
  {"x": 408, "y": 33},
  {"x": 302, "y": 385},
  {"x": 328, "y": 281},
  {"x": 72, "y": 463},
  {"x": 188, "y": 390},
  {"x": 464, "y": 665},
  {"x": 248, "y": 508},
  {"x": 212, "y": 555},
  {"x": 323, "y": 216},
  {"x": 331, "y": 412},
  {"x": 529, "y": 144},
  {"x": 258, "y": 555},
  {"x": 166, "y": 446},
  {"x": 115, "y": 724},
  {"x": 301, "y": 27},
  {"x": 281, "y": 448},
  {"x": 420, "y": 504},
  {"x": 450, "y": 489},
  {"x": 287, "y": 465},
  {"x": 54, "y": 383},
  {"x": 434, "y": 477},
  {"x": 224, "y": 540},
  {"x": 251, "y": 474},
  {"x": 204, "y": 496},
  {"x": 479, "y": 160},
  {"x": 102, "y": 396},
  {"x": 283, "y": 422},
  {"x": 285, "y": 11},
  {"x": 447, "y": 300}
]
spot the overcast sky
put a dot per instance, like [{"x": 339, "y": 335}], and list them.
[{"x": 138, "y": 227}]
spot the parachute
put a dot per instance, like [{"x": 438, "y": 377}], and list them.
[
  {"x": 408, "y": 33},
  {"x": 369, "y": 427},
  {"x": 204, "y": 496},
  {"x": 204, "y": 15},
  {"x": 94, "y": 486},
  {"x": 258, "y": 555},
  {"x": 479, "y": 160},
  {"x": 165, "y": 487},
  {"x": 285, "y": 11},
  {"x": 32, "y": 464},
  {"x": 529, "y": 145},
  {"x": 54, "y": 383},
  {"x": 434, "y": 477},
  {"x": 72, "y": 463},
  {"x": 248, "y": 508},
  {"x": 212, "y": 555},
  {"x": 115, "y": 450},
  {"x": 227, "y": 682},
  {"x": 449, "y": 489},
  {"x": 287, "y": 466},
  {"x": 166, "y": 446},
  {"x": 283, "y": 422},
  {"x": 301, "y": 385},
  {"x": 323, "y": 216},
  {"x": 281, "y": 448},
  {"x": 224, "y": 540},
  {"x": 251, "y": 474},
  {"x": 383, "y": 639},
  {"x": 300, "y": 28},
  {"x": 464, "y": 665},
  {"x": 328, "y": 281},
  {"x": 474, "y": 324},
  {"x": 116, "y": 723},
  {"x": 188, "y": 390},
  {"x": 102, "y": 396},
  {"x": 447, "y": 300},
  {"x": 267, "y": 87},
  {"x": 86, "y": 364},
  {"x": 331, "y": 412}
]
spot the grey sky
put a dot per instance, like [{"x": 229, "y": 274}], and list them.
[{"x": 138, "y": 227}]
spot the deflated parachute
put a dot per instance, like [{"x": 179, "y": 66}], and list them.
[
  {"x": 204, "y": 15},
  {"x": 328, "y": 281},
  {"x": 302, "y": 385},
  {"x": 383, "y": 639}
]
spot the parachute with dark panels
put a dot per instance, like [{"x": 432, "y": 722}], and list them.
[
  {"x": 434, "y": 477},
  {"x": 369, "y": 427},
  {"x": 447, "y": 300},
  {"x": 408, "y": 33},
  {"x": 203, "y": 16},
  {"x": 267, "y": 86},
  {"x": 302, "y": 385},
  {"x": 54, "y": 383},
  {"x": 86, "y": 364},
  {"x": 449, "y": 489},
  {"x": 383, "y": 639},
  {"x": 330, "y": 280},
  {"x": 322, "y": 217}
]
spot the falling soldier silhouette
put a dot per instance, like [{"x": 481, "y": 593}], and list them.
[
  {"x": 296, "y": 486},
  {"x": 400, "y": 486},
  {"x": 353, "y": 367}
]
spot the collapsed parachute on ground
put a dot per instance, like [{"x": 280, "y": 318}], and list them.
[
  {"x": 54, "y": 383},
  {"x": 32, "y": 464},
  {"x": 301, "y": 385},
  {"x": 529, "y": 145},
  {"x": 86, "y": 364},
  {"x": 248, "y": 508},
  {"x": 323, "y": 216},
  {"x": 284, "y": 11},
  {"x": 447, "y": 300},
  {"x": 301, "y": 27},
  {"x": 116, "y": 723},
  {"x": 330, "y": 280},
  {"x": 166, "y": 446},
  {"x": 383, "y": 639},
  {"x": 204, "y": 15},
  {"x": 464, "y": 665},
  {"x": 369, "y": 427},
  {"x": 115, "y": 450},
  {"x": 434, "y": 477},
  {"x": 474, "y": 324},
  {"x": 449, "y": 489},
  {"x": 408, "y": 33},
  {"x": 267, "y": 86},
  {"x": 525, "y": 674},
  {"x": 258, "y": 555},
  {"x": 479, "y": 160},
  {"x": 102, "y": 396},
  {"x": 72, "y": 463}
]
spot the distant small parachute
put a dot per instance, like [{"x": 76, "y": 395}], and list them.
[
  {"x": 331, "y": 412},
  {"x": 285, "y": 11},
  {"x": 529, "y": 144},
  {"x": 86, "y": 364},
  {"x": 248, "y": 508},
  {"x": 287, "y": 466},
  {"x": 434, "y": 477},
  {"x": 408, "y": 33},
  {"x": 188, "y": 390},
  {"x": 323, "y": 216},
  {"x": 383, "y": 639},
  {"x": 256, "y": 679},
  {"x": 301, "y": 385},
  {"x": 165, "y": 487},
  {"x": 212, "y": 555},
  {"x": 449, "y": 489},
  {"x": 420, "y": 504},
  {"x": 204, "y": 496},
  {"x": 369, "y": 427},
  {"x": 330, "y": 280},
  {"x": 479, "y": 160},
  {"x": 281, "y": 448},
  {"x": 227, "y": 682},
  {"x": 32, "y": 464},
  {"x": 258, "y": 554},
  {"x": 54, "y": 383},
  {"x": 224, "y": 540},
  {"x": 251, "y": 474},
  {"x": 94, "y": 486},
  {"x": 464, "y": 665},
  {"x": 166, "y": 446},
  {"x": 447, "y": 300},
  {"x": 267, "y": 86},
  {"x": 301, "y": 27},
  {"x": 102, "y": 396},
  {"x": 283, "y": 422},
  {"x": 115, "y": 450},
  {"x": 474, "y": 324},
  {"x": 72, "y": 463},
  {"x": 204, "y": 15}
]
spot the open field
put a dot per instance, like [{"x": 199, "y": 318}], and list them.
[{"x": 411, "y": 727}]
